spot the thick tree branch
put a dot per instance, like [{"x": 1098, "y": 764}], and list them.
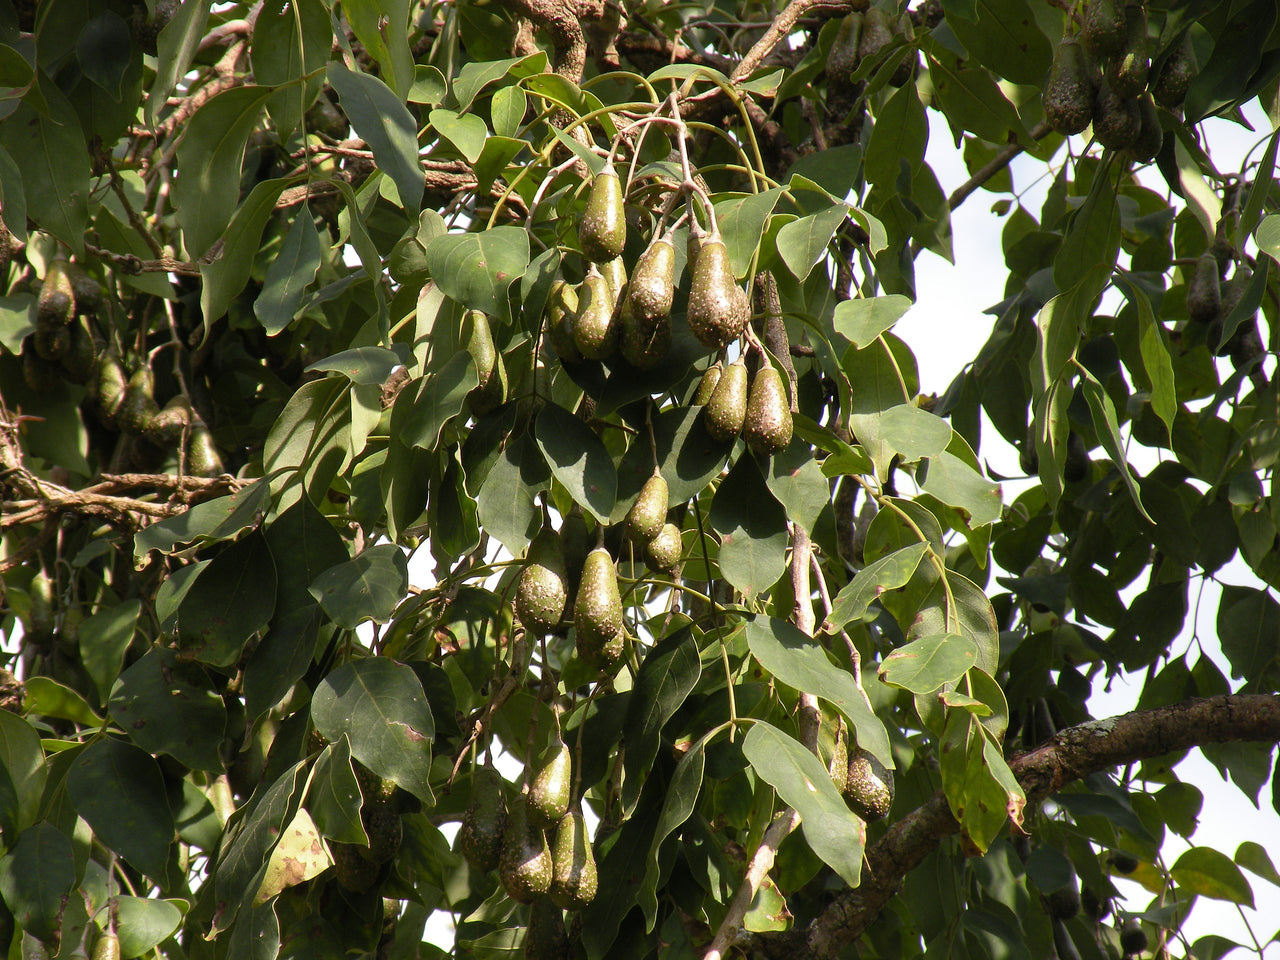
[
  {"x": 562, "y": 21},
  {"x": 1072, "y": 755}
]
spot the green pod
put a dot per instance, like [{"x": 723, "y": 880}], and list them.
[
  {"x": 203, "y": 459},
  {"x": 549, "y": 791},
  {"x": 525, "y": 865},
  {"x": 707, "y": 384},
  {"x": 1150, "y": 133},
  {"x": 838, "y": 762},
  {"x": 139, "y": 403},
  {"x": 477, "y": 339},
  {"x": 1103, "y": 29},
  {"x": 1069, "y": 91},
  {"x": 1176, "y": 73},
  {"x": 109, "y": 385},
  {"x": 653, "y": 282},
  {"x": 51, "y": 341},
  {"x": 484, "y": 820},
  {"x": 869, "y": 788},
  {"x": 1204, "y": 290},
  {"x": 594, "y": 332},
  {"x": 172, "y": 419},
  {"x": 643, "y": 343},
  {"x": 727, "y": 409},
  {"x": 663, "y": 552},
  {"x": 1117, "y": 122},
  {"x": 877, "y": 33},
  {"x": 647, "y": 515},
  {"x": 56, "y": 304},
  {"x": 1127, "y": 70},
  {"x": 842, "y": 56},
  {"x": 40, "y": 375},
  {"x": 574, "y": 878},
  {"x": 602, "y": 231},
  {"x": 107, "y": 946},
  {"x": 767, "y": 424},
  {"x": 562, "y": 308},
  {"x": 545, "y": 938},
  {"x": 81, "y": 354},
  {"x": 615, "y": 275},
  {"x": 86, "y": 290},
  {"x": 543, "y": 588},
  {"x": 718, "y": 311},
  {"x": 597, "y": 610}
]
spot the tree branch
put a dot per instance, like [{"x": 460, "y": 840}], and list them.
[
  {"x": 1072, "y": 755},
  {"x": 562, "y": 21},
  {"x": 997, "y": 163},
  {"x": 783, "y": 26}
]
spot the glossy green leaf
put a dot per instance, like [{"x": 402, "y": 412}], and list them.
[
  {"x": 958, "y": 485},
  {"x": 801, "y": 662},
  {"x": 924, "y": 665},
  {"x": 420, "y": 415},
  {"x": 333, "y": 795},
  {"x": 102, "y": 49},
  {"x": 1108, "y": 429},
  {"x": 104, "y": 638},
  {"x": 1268, "y": 236},
  {"x": 505, "y": 502},
  {"x": 289, "y": 274},
  {"x": 144, "y": 923},
  {"x": 889, "y": 572},
  {"x": 578, "y": 459},
  {"x": 1250, "y": 302},
  {"x": 23, "y": 759},
  {"x": 963, "y": 609},
  {"x": 176, "y": 48},
  {"x": 55, "y": 167},
  {"x": 971, "y": 101},
  {"x": 741, "y": 222},
  {"x": 290, "y": 44},
  {"x": 899, "y": 137},
  {"x": 753, "y": 529},
  {"x": 384, "y": 122},
  {"x": 367, "y": 587},
  {"x": 507, "y": 110},
  {"x": 120, "y": 792},
  {"x": 231, "y": 601},
  {"x": 46, "y": 697},
  {"x": 861, "y": 321},
  {"x": 914, "y": 433},
  {"x": 1207, "y": 872},
  {"x": 678, "y": 803},
  {"x": 1156, "y": 361},
  {"x": 221, "y": 518},
  {"x": 477, "y": 268},
  {"x": 210, "y": 154},
  {"x": 365, "y": 366},
  {"x": 310, "y": 440},
  {"x": 796, "y": 480},
  {"x": 303, "y": 543},
  {"x": 1005, "y": 37},
  {"x": 13, "y": 200},
  {"x": 1092, "y": 242},
  {"x": 170, "y": 706},
  {"x": 224, "y": 278},
  {"x": 380, "y": 707},
  {"x": 1253, "y": 857},
  {"x": 802, "y": 243},
  {"x": 1201, "y": 198},
  {"x": 688, "y": 457},
  {"x": 478, "y": 75},
  {"x": 36, "y": 876},
  {"x": 667, "y": 676},
  {"x": 877, "y": 385},
  {"x": 383, "y": 29},
  {"x": 833, "y": 832},
  {"x": 466, "y": 133}
]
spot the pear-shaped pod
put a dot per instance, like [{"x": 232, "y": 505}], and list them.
[
  {"x": 602, "y": 231},
  {"x": 1069, "y": 91},
  {"x": 842, "y": 56},
  {"x": 491, "y": 376},
  {"x": 56, "y": 304},
  {"x": 653, "y": 281},
  {"x": 869, "y": 790},
  {"x": 663, "y": 552},
  {"x": 1204, "y": 290},
  {"x": 1127, "y": 71},
  {"x": 767, "y": 425},
  {"x": 574, "y": 878},
  {"x": 139, "y": 403},
  {"x": 615, "y": 276},
  {"x": 1150, "y": 133},
  {"x": 562, "y": 310},
  {"x": 1103, "y": 29},
  {"x": 647, "y": 515},
  {"x": 525, "y": 865},
  {"x": 727, "y": 409},
  {"x": 597, "y": 611},
  {"x": 108, "y": 386},
  {"x": 877, "y": 32},
  {"x": 549, "y": 790},
  {"x": 707, "y": 384},
  {"x": 1176, "y": 73},
  {"x": 485, "y": 820},
  {"x": 545, "y": 938},
  {"x": 1117, "y": 122},
  {"x": 594, "y": 332},
  {"x": 203, "y": 459},
  {"x": 838, "y": 764},
  {"x": 718, "y": 311},
  {"x": 543, "y": 588},
  {"x": 644, "y": 342}
]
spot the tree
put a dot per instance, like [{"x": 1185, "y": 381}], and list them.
[{"x": 391, "y": 389}]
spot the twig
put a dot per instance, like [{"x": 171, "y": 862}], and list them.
[
  {"x": 988, "y": 170},
  {"x": 131, "y": 264},
  {"x": 779, "y": 30}
]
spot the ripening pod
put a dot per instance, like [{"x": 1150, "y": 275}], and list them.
[
  {"x": 545, "y": 938},
  {"x": 877, "y": 33},
  {"x": 767, "y": 425},
  {"x": 562, "y": 307},
  {"x": 477, "y": 339},
  {"x": 203, "y": 459},
  {"x": 691, "y": 248},
  {"x": 574, "y": 878},
  {"x": 1076, "y": 466},
  {"x": 594, "y": 332},
  {"x": 384, "y": 828},
  {"x": 1127, "y": 70},
  {"x": 81, "y": 354},
  {"x": 107, "y": 946},
  {"x": 549, "y": 791},
  {"x": 707, "y": 384},
  {"x": 1064, "y": 902},
  {"x": 1133, "y": 939},
  {"x": 525, "y": 865},
  {"x": 597, "y": 610},
  {"x": 644, "y": 342},
  {"x": 718, "y": 311},
  {"x": 1069, "y": 91},
  {"x": 727, "y": 408},
  {"x": 653, "y": 281},
  {"x": 109, "y": 386},
  {"x": 602, "y": 231},
  {"x": 1204, "y": 293},
  {"x": 1116, "y": 121},
  {"x": 838, "y": 765},
  {"x": 56, "y": 304},
  {"x": 543, "y": 588},
  {"x": 51, "y": 341},
  {"x": 86, "y": 290},
  {"x": 1176, "y": 73},
  {"x": 842, "y": 56},
  {"x": 615, "y": 276},
  {"x": 869, "y": 790},
  {"x": 484, "y": 820},
  {"x": 647, "y": 515},
  {"x": 139, "y": 403},
  {"x": 352, "y": 868},
  {"x": 663, "y": 552},
  {"x": 1103, "y": 29},
  {"x": 173, "y": 418},
  {"x": 1150, "y": 133}
]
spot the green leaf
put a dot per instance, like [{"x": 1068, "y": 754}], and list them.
[
  {"x": 1156, "y": 361},
  {"x": 833, "y": 832},
  {"x": 899, "y": 137},
  {"x": 666, "y": 678},
  {"x": 924, "y": 665},
  {"x": 479, "y": 74},
  {"x": 687, "y": 455},
  {"x": 103, "y": 51},
  {"x": 333, "y": 795},
  {"x": 121, "y": 793},
  {"x": 802, "y": 243},
  {"x": 888, "y": 573},
  {"x": 1108, "y": 429},
  {"x": 1254, "y": 858},
  {"x": 958, "y": 485},
  {"x": 104, "y": 638},
  {"x": 231, "y": 601},
  {"x": 291, "y": 45},
  {"x": 466, "y": 133},
  {"x": 971, "y": 101},
  {"x": 800, "y": 662},
  {"x": 384, "y": 122},
  {"x": 224, "y": 278},
  {"x": 176, "y": 48},
  {"x": 876, "y": 382},
  {"x": 1268, "y": 236},
  {"x": 170, "y": 706},
  {"x": 429, "y": 85},
  {"x": 36, "y": 876},
  {"x": 476, "y": 269},
  {"x": 366, "y": 366},
  {"x": 862, "y": 321},
  {"x": 1092, "y": 243},
  {"x": 1249, "y": 304},
  {"x": 578, "y": 459},
  {"x": 914, "y": 433},
  {"x": 383, "y": 29},
  {"x": 1007, "y": 39},
  {"x": 796, "y": 480},
  {"x": 209, "y": 155},
  {"x": 679, "y": 800},
  {"x": 419, "y": 416},
  {"x": 1207, "y": 872},
  {"x": 505, "y": 501},
  {"x": 1201, "y": 198},
  {"x": 741, "y": 222},
  {"x": 289, "y": 275},
  {"x": 507, "y": 110},
  {"x": 369, "y": 586},
  {"x": 22, "y": 758},
  {"x": 966, "y": 607},
  {"x": 753, "y": 529},
  {"x": 13, "y": 200},
  {"x": 310, "y": 440},
  {"x": 55, "y": 167},
  {"x": 144, "y": 924},
  {"x": 379, "y": 706},
  {"x": 303, "y": 543},
  {"x": 46, "y": 697},
  {"x": 222, "y": 518}
]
